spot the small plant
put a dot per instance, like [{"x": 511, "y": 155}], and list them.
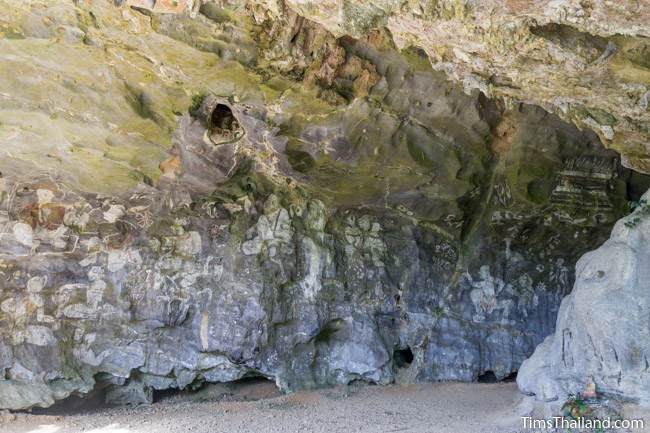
[
  {"x": 640, "y": 209},
  {"x": 576, "y": 408},
  {"x": 197, "y": 100},
  {"x": 638, "y": 204}
]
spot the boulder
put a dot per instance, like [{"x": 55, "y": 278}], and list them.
[{"x": 602, "y": 334}]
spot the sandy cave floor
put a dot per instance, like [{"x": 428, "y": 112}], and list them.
[{"x": 258, "y": 407}]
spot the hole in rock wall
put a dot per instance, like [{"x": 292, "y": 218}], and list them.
[
  {"x": 223, "y": 125},
  {"x": 222, "y": 118},
  {"x": 109, "y": 391},
  {"x": 637, "y": 185},
  {"x": 403, "y": 357}
]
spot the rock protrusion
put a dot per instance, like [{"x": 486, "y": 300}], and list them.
[{"x": 603, "y": 326}]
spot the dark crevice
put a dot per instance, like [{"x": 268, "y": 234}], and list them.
[
  {"x": 489, "y": 377},
  {"x": 589, "y": 47},
  {"x": 223, "y": 125},
  {"x": 223, "y": 118},
  {"x": 250, "y": 388},
  {"x": 637, "y": 184},
  {"x": 403, "y": 357}
]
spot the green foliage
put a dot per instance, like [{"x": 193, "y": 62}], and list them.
[
  {"x": 576, "y": 408},
  {"x": 197, "y": 100},
  {"x": 439, "y": 312},
  {"x": 640, "y": 209}
]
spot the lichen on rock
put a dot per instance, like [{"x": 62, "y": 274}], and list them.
[{"x": 218, "y": 190}]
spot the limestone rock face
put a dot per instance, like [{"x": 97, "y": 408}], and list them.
[
  {"x": 587, "y": 61},
  {"x": 173, "y": 286},
  {"x": 603, "y": 326},
  {"x": 203, "y": 192}
]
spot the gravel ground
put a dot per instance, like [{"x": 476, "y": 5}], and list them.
[{"x": 258, "y": 408}]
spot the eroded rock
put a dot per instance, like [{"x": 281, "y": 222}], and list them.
[
  {"x": 332, "y": 210},
  {"x": 602, "y": 327},
  {"x": 581, "y": 60}
]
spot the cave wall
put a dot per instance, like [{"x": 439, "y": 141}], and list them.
[
  {"x": 361, "y": 218},
  {"x": 168, "y": 287}
]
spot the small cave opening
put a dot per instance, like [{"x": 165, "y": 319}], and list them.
[
  {"x": 360, "y": 383},
  {"x": 637, "y": 184},
  {"x": 489, "y": 377},
  {"x": 403, "y": 357},
  {"x": 223, "y": 124},
  {"x": 249, "y": 388},
  {"x": 222, "y": 117}
]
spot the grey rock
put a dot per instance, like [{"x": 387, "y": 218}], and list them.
[
  {"x": 269, "y": 284},
  {"x": 20, "y": 394},
  {"x": 603, "y": 326},
  {"x": 134, "y": 393}
]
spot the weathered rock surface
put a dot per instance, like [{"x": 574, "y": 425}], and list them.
[
  {"x": 172, "y": 286},
  {"x": 586, "y": 61},
  {"x": 203, "y": 194},
  {"x": 603, "y": 326}
]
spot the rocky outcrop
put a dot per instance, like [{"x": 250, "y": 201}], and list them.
[
  {"x": 603, "y": 325},
  {"x": 207, "y": 195}
]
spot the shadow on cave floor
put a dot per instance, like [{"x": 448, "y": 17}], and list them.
[
  {"x": 247, "y": 389},
  {"x": 75, "y": 405},
  {"x": 490, "y": 377},
  {"x": 243, "y": 390}
]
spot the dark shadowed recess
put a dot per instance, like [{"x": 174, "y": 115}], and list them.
[
  {"x": 403, "y": 357},
  {"x": 490, "y": 377},
  {"x": 223, "y": 118},
  {"x": 245, "y": 389}
]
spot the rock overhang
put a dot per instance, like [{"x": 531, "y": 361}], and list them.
[{"x": 368, "y": 206}]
